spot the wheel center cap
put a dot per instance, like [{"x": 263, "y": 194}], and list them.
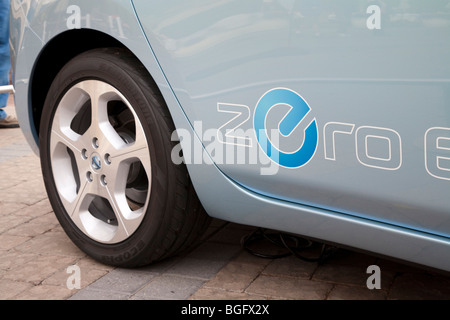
[{"x": 96, "y": 162}]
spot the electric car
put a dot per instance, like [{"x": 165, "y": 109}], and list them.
[{"x": 323, "y": 119}]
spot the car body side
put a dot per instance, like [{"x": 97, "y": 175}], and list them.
[{"x": 44, "y": 38}]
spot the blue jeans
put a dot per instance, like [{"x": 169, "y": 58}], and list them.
[{"x": 5, "y": 62}]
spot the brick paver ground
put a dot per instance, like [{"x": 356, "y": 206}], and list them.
[{"x": 35, "y": 255}]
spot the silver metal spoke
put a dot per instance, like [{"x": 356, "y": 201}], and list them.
[
  {"x": 78, "y": 206},
  {"x": 74, "y": 207},
  {"x": 62, "y": 133},
  {"x": 63, "y": 138},
  {"x": 131, "y": 154},
  {"x": 60, "y": 137},
  {"x": 127, "y": 224},
  {"x": 100, "y": 94},
  {"x": 138, "y": 150}
]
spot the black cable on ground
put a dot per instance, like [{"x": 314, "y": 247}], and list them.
[{"x": 293, "y": 245}]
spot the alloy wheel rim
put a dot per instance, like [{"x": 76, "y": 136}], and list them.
[{"x": 100, "y": 157}]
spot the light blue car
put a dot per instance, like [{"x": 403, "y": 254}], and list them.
[{"x": 325, "y": 119}]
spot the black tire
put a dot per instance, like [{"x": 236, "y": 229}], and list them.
[{"x": 173, "y": 218}]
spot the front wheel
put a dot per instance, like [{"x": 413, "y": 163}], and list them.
[{"x": 105, "y": 154}]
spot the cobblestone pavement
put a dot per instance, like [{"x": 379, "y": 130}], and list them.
[{"x": 35, "y": 256}]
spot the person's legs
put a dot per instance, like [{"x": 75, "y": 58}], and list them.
[
  {"x": 5, "y": 61},
  {"x": 4, "y": 80},
  {"x": 3, "y": 114},
  {"x": 5, "y": 64}
]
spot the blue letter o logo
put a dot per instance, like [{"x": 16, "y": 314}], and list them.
[{"x": 298, "y": 112}]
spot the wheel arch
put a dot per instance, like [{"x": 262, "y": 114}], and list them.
[{"x": 56, "y": 53}]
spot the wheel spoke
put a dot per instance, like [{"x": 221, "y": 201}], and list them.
[
  {"x": 127, "y": 221},
  {"x": 78, "y": 206},
  {"x": 61, "y": 130},
  {"x": 138, "y": 150},
  {"x": 66, "y": 180},
  {"x": 61, "y": 137},
  {"x": 116, "y": 184},
  {"x": 113, "y": 190},
  {"x": 122, "y": 229}
]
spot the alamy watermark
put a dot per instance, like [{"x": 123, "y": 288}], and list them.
[
  {"x": 74, "y": 280},
  {"x": 374, "y": 280},
  {"x": 373, "y": 22},
  {"x": 76, "y": 20},
  {"x": 223, "y": 148}
]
